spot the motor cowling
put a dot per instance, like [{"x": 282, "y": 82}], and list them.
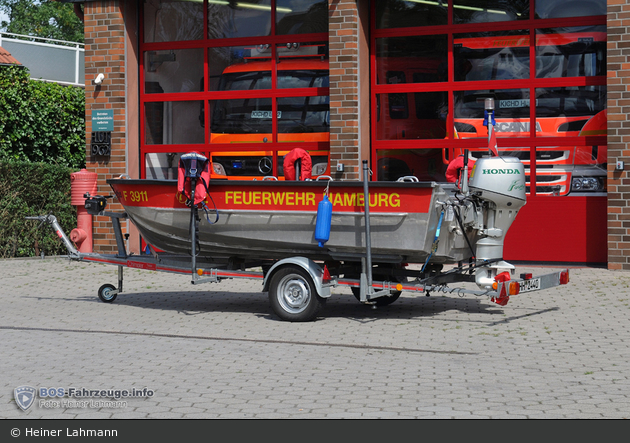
[
  {"x": 499, "y": 184},
  {"x": 500, "y": 180}
]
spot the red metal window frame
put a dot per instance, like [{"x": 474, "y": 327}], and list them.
[
  {"x": 274, "y": 93},
  {"x": 450, "y": 86}
]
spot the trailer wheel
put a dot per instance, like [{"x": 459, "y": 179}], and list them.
[
  {"x": 106, "y": 293},
  {"x": 292, "y": 295}
]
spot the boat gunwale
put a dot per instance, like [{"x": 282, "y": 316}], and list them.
[
  {"x": 276, "y": 212},
  {"x": 271, "y": 183}
]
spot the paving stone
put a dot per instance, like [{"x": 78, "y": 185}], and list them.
[{"x": 217, "y": 351}]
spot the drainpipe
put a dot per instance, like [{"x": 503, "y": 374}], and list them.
[{"x": 78, "y": 11}]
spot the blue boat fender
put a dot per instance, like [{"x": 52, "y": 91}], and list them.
[{"x": 324, "y": 219}]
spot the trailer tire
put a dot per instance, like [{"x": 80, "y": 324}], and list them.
[
  {"x": 292, "y": 295},
  {"x": 105, "y": 293}
]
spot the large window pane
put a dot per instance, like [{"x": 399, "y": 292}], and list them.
[
  {"x": 177, "y": 70},
  {"x": 571, "y": 52},
  {"x": 491, "y": 56},
  {"x": 511, "y": 112},
  {"x": 172, "y": 123},
  {"x": 424, "y": 164},
  {"x": 243, "y": 18},
  {"x": 239, "y": 67},
  {"x": 302, "y": 65},
  {"x": 578, "y": 102},
  {"x": 303, "y": 119},
  {"x": 569, "y": 8},
  {"x": 571, "y": 112},
  {"x": 247, "y": 120},
  {"x": 161, "y": 166},
  {"x": 301, "y": 16},
  {"x": 172, "y": 20},
  {"x": 406, "y": 116},
  {"x": 421, "y": 59},
  {"x": 483, "y": 11},
  {"x": 403, "y": 14}
]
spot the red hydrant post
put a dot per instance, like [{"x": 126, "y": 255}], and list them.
[{"x": 80, "y": 183}]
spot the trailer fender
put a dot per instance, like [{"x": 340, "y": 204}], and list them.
[{"x": 313, "y": 269}]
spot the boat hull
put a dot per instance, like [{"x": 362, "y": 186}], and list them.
[{"x": 260, "y": 220}]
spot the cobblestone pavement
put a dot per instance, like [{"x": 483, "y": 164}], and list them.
[{"x": 218, "y": 351}]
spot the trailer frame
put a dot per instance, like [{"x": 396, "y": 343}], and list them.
[{"x": 307, "y": 284}]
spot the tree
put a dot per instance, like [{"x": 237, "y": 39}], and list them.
[{"x": 42, "y": 18}]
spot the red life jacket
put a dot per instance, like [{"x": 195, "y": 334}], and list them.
[
  {"x": 193, "y": 165},
  {"x": 454, "y": 170},
  {"x": 306, "y": 166}
]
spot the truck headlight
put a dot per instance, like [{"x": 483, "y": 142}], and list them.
[
  {"x": 587, "y": 184},
  {"x": 319, "y": 168},
  {"x": 218, "y": 168}
]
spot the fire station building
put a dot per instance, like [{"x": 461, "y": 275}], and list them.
[{"x": 408, "y": 85}]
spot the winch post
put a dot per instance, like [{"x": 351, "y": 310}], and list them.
[
  {"x": 120, "y": 242},
  {"x": 368, "y": 241},
  {"x": 193, "y": 228}
]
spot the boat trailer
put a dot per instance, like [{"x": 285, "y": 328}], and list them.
[{"x": 298, "y": 286}]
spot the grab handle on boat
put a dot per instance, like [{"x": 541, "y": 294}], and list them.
[{"x": 408, "y": 178}]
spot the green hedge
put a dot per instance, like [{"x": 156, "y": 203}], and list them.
[
  {"x": 28, "y": 189},
  {"x": 40, "y": 121}
]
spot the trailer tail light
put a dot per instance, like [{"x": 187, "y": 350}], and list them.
[
  {"x": 326, "y": 275},
  {"x": 508, "y": 288},
  {"x": 564, "y": 277},
  {"x": 502, "y": 277}
]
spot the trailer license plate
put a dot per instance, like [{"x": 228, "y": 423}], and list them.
[{"x": 530, "y": 285}]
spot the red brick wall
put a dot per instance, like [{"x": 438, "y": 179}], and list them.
[
  {"x": 618, "y": 60},
  {"x": 110, "y": 37},
  {"x": 104, "y": 53},
  {"x": 343, "y": 33}
]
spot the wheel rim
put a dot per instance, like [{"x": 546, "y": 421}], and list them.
[
  {"x": 107, "y": 293},
  {"x": 293, "y": 294}
]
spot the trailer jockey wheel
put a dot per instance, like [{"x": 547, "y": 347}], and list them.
[
  {"x": 292, "y": 295},
  {"x": 385, "y": 300},
  {"x": 107, "y": 293}
]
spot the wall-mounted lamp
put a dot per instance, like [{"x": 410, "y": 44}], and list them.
[{"x": 99, "y": 79}]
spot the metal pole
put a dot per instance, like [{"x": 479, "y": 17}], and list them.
[
  {"x": 488, "y": 105},
  {"x": 76, "y": 64},
  {"x": 368, "y": 240},
  {"x": 193, "y": 228}
]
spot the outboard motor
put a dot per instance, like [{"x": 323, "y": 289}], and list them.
[{"x": 499, "y": 183}]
